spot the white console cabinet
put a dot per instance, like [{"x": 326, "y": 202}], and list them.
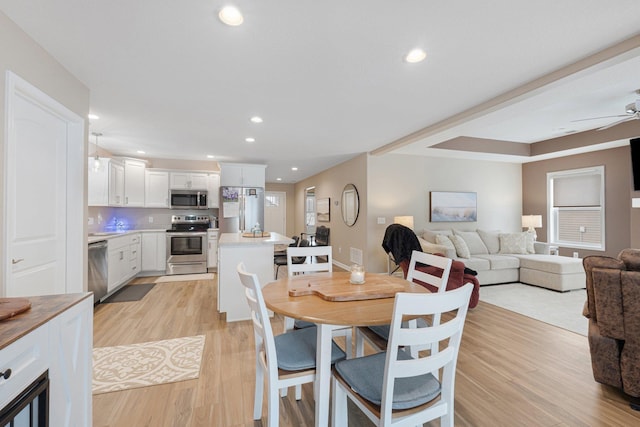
[{"x": 59, "y": 340}]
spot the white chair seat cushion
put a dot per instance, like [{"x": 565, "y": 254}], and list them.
[
  {"x": 383, "y": 330},
  {"x": 296, "y": 350},
  {"x": 365, "y": 374}
]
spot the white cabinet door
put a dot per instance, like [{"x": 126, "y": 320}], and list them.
[
  {"x": 154, "y": 246},
  {"x": 98, "y": 182},
  {"x": 253, "y": 176},
  {"x": 156, "y": 192},
  {"x": 213, "y": 190},
  {"x": 230, "y": 175},
  {"x": 116, "y": 184},
  {"x": 118, "y": 263},
  {"x": 212, "y": 250},
  {"x": 184, "y": 180},
  {"x": 133, "y": 183}
]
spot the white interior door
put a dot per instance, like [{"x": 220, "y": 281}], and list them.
[
  {"x": 275, "y": 211},
  {"x": 44, "y": 194}
]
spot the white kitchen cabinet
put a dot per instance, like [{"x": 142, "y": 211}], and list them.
[
  {"x": 185, "y": 180},
  {"x": 134, "y": 183},
  {"x": 154, "y": 251},
  {"x": 105, "y": 185},
  {"x": 156, "y": 189},
  {"x": 213, "y": 190},
  {"x": 212, "y": 249},
  {"x": 242, "y": 175},
  {"x": 123, "y": 260}
]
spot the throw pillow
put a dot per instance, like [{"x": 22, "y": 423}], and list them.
[
  {"x": 473, "y": 241},
  {"x": 515, "y": 243},
  {"x": 461, "y": 247},
  {"x": 434, "y": 248},
  {"x": 530, "y": 242},
  {"x": 491, "y": 240},
  {"x": 430, "y": 235},
  {"x": 447, "y": 243}
]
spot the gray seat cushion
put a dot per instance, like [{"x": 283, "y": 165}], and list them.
[
  {"x": 296, "y": 350},
  {"x": 365, "y": 375},
  {"x": 301, "y": 324},
  {"x": 383, "y": 331}
]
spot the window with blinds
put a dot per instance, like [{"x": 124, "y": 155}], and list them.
[{"x": 576, "y": 201}]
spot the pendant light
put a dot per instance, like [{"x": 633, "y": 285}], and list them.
[{"x": 96, "y": 159}]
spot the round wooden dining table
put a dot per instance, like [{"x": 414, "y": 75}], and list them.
[{"x": 331, "y": 302}]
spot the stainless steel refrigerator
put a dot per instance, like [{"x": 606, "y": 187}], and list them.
[{"x": 241, "y": 208}]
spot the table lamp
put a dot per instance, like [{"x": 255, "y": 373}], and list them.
[
  {"x": 531, "y": 222},
  {"x": 407, "y": 221}
]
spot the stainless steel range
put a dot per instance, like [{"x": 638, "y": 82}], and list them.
[{"x": 187, "y": 244}]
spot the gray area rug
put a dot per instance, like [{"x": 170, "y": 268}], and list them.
[
  {"x": 562, "y": 309},
  {"x": 130, "y": 293}
]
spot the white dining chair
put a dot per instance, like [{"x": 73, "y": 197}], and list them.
[
  {"x": 378, "y": 335},
  {"x": 284, "y": 360},
  {"x": 393, "y": 388}
]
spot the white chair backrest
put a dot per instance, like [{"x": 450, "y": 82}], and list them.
[
  {"x": 318, "y": 265},
  {"x": 449, "y": 333},
  {"x": 261, "y": 323},
  {"x": 434, "y": 260}
]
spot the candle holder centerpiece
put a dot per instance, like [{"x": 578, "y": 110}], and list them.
[{"x": 357, "y": 274}]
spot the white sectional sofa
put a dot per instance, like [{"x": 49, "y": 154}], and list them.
[{"x": 500, "y": 257}]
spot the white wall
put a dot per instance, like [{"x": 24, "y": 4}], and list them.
[{"x": 400, "y": 185}]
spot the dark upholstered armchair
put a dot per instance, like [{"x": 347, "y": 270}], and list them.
[{"x": 613, "y": 310}]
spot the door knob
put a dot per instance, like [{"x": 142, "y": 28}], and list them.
[{"x": 15, "y": 261}]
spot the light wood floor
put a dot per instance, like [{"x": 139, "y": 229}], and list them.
[{"x": 512, "y": 370}]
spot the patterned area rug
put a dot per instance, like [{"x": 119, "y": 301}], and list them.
[
  {"x": 145, "y": 364},
  {"x": 562, "y": 309},
  {"x": 184, "y": 277}
]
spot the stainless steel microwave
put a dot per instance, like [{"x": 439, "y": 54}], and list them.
[{"x": 188, "y": 199}]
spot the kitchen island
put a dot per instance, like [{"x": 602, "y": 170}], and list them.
[{"x": 257, "y": 255}]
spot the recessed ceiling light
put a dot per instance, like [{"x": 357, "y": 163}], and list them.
[
  {"x": 278, "y": 179},
  {"x": 416, "y": 55},
  {"x": 250, "y": 139},
  {"x": 230, "y": 15},
  {"x": 256, "y": 119},
  {"x": 93, "y": 117},
  {"x": 140, "y": 152},
  {"x": 294, "y": 168},
  {"x": 210, "y": 156}
]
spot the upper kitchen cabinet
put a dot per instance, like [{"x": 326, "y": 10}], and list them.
[
  {"x": 242, "y": 175},
  {"x": 156, "y": 192},
  {"x": 134, "y": 183},
  {"x": 213, "y": 190},
  {"x": 189, "y": 181},
  {"x": 106, "y": 183}
]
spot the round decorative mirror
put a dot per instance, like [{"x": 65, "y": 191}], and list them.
[{"x": 350, "y": 204}]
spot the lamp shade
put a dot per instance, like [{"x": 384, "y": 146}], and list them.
[
  {"x": 407, "y": 221},
  {"x": 531, "y": 221}
]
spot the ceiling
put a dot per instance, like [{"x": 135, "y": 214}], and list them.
[{"x": 329, "y": 79}]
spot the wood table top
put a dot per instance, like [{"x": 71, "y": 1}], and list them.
[{"x": 313, "y": 308}]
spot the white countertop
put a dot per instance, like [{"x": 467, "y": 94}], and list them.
[
  {"x": 236, "y": 239},
  {"x": 98, "y": 236}
]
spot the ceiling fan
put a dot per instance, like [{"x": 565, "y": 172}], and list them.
[{"x": 632, "y": 111}]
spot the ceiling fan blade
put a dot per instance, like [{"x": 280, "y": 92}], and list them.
[
  {"x": 602, "y": 117},
  {"x": 617, "y": 122}
]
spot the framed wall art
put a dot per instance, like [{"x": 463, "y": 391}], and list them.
[
  {"x": 453, "y": 206},
  {"x": 324, "y": 213}
]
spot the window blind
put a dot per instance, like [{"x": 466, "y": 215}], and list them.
[{"x": 576, "y": 190}]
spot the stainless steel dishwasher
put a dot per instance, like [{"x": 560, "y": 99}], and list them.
[{"x": 97, "y": 271}]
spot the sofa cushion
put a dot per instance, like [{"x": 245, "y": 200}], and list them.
[
  {"x": 551, "y": 263},
  {"x": 477, "y": 263},
  {"x": 461, "y": 247},
  {"x": 473, "y": 241},
  {"x": 434, "y": 248},
  {"x": 500, "y": 262},
  {"x": 443, "y": 240},
  {"x": 513, "y": 243},
  {"x": 491, "y": 240},
  {"x": 430, "y": 235}
]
